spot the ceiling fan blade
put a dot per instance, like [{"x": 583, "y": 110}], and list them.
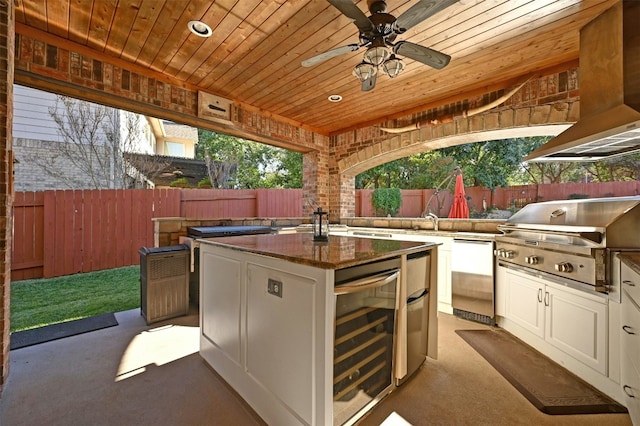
[
  {"x": 351, "y": 11},
  {"x": 433, "y": 58},
  {"x": 315, "y": 60},
  {"x": 369, "y": 83},
  {"x": 419, "y": 12}
]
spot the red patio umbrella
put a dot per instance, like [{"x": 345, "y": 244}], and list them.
[{"x": 459, "y": 208}]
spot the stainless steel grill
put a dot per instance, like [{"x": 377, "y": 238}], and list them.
[{"x": 572, "y": 239}]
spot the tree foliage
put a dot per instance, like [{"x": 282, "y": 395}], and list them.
[
  {"x": 488, "y": 164},
  {"x": 493, "y": 164},
  {"x": 238, "y": 163}
]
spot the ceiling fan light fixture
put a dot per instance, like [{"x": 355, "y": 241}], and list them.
[
  {"x": 376, "y": 55},
  {"x": 200, "y": 29},
  {"x": 393, "y": 66},
  {"x": 364, "y": 70}
]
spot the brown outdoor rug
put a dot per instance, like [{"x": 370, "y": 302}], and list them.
[{"x": 548, "y": 386}]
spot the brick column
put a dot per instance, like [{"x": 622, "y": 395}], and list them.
[
  {"x": 7, "y": 45},
  {"x": 315, "y": 182},
  {"x": 343, "y": 190}
]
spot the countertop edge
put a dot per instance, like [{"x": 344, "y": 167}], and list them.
[
  {"x": 632, "y": 260},
  {"x": 420, "y": 246}
]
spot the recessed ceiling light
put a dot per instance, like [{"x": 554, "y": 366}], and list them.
[
  {"x": 199, "y": 28},
  {"x": 335, "y": 98}
]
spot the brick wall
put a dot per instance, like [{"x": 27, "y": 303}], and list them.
[
  {"x": 73, "y": 73},
  {"x": 30, "y": 173},
  {"x": 7, "y": 34},
  {"x": 543, "y": 106}
]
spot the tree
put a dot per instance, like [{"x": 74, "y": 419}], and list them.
[
  {"x": 548, "y": 172},
  {"x": 614, "y": 169},
  {"x": 237, "y": 163},
  {"x": 94, "y": 139},
  {"x": 490, "y": 164}
]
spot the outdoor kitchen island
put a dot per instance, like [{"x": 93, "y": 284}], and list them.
[{"x": 268, "y": 315}]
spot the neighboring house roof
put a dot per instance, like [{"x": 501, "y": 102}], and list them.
[
  {"x": 180, "y": 131},
  {"x": 162, "y": 170}
]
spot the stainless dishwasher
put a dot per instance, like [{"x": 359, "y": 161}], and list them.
[
  {"x": 472, "y": 288},
  {"x": 364, "y": 337}
]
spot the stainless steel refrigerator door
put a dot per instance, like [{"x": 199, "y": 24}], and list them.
[
  {"x": 472, "y": 276},
  {"x": 418, "y": 273}
]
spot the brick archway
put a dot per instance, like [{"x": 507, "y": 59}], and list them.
[{"x": 506, "y": 123}]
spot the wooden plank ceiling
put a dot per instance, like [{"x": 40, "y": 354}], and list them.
[{"x": 254, "y": 55}]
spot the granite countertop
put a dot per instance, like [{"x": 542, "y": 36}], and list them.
[
  {"x": 632, "y": 260},
  {"x": 339, "y": 252}
]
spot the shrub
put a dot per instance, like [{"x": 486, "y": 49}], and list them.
[
  {"x": 205, "y": 183},
  {"x": 179, "y": 183},
  {"x": 386, "y": 201}
]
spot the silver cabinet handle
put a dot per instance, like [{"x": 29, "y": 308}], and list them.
[
  {"x": 627, "y": 329},
  {"x": 540, "y": 295},
  {"x": 629, "y": 283},
  {"x": 366, "y": 283},
  {"x": 546, "y": 298},
  {"x": 627, "y": 389}
]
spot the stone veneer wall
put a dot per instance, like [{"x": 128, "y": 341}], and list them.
[
  {"x": 168, "y": 230},
  {"x": 484, "y": 226},
  {"x": 7, "y": 45}
]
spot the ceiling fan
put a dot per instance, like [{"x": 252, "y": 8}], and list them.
[{"x": 378, "y": 33}]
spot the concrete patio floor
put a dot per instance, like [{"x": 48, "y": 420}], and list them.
[{"x": 134, "y": 374}]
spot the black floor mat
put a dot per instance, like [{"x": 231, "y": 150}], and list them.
[
  {"x": 546, "y": 384},
  {"x": 47, "y": 333}
]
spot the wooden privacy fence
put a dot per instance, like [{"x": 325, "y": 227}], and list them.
[
  {"x": 58, "y": 233},
  {"x": 415, "y": 201}
]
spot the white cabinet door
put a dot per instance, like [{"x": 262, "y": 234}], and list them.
[
  {"x": 444, "y": 277},
  {"x": 577, "y": 326},
  {"x": 281, "y": 332},
  {"x": 220, "y": 293},
  {"x": 630, "y": 342},
  {"x": 525, "y": 301},
  {"x": 565, "y": 319},
  {"x": 501, "y": 292}
]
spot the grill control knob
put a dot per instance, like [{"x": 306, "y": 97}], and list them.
[
  {"x": 532, "y": 260},
  {"x": 509, "y": 254},
  {"x": 564, "y": 267}
]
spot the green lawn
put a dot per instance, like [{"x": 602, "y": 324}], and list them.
[{"x": 35, "y": 303}]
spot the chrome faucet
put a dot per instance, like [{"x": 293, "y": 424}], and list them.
[{"x": 434, "y": 218}]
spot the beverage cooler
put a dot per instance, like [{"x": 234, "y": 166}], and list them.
[{"x": 365, "y": 298}]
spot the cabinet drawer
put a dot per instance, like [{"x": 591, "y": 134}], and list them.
[
  {"x": 630, "y": 323},
  {"x": 630, "y": 384},
  {"x": 631, "y": 283}
]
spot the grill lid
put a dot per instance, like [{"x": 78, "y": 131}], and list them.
[
  {"x": 612, "y": 222},
  {"x": 226, "y": 231}
]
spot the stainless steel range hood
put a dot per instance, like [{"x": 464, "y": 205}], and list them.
[{"x": 609, "y": 77}]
